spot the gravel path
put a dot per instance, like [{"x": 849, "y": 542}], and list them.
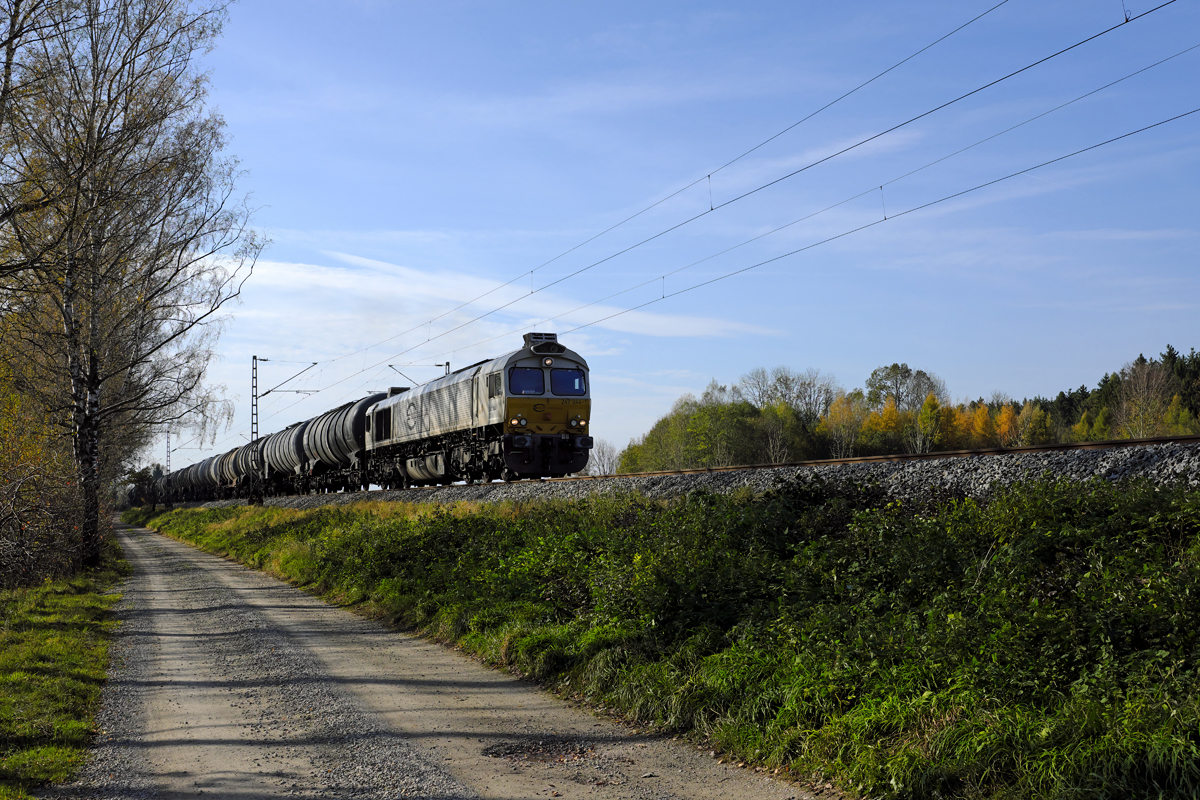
[
  {"x": 226, "y": 683},
  {"x": 973, "y": 476}
]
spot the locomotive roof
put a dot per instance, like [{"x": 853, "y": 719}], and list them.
[{"x": 467, "y": 373}]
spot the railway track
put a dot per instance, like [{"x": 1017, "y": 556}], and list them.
[
  {"x": 991, "y": 451},
  {"x": 828, "y": 462}
]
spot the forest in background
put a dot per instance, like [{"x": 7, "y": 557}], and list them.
[{"x": 781, "y": 415}]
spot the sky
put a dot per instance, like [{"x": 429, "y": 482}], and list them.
[{"x": 438, "y": 178}]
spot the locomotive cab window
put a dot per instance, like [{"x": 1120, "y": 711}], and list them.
[
  {"x": 526, "y": 380},
  {"x": 493, "y": 385},
  {"x": 383, "y": 425},
  {"x": 568, "y": 382}
]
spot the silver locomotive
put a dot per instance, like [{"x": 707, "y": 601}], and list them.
[{"x": 525, "y": 414}]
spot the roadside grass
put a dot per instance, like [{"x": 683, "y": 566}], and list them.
[
  {"x": 53, "y": 657},
  {"x": 1042, "y": 645}
]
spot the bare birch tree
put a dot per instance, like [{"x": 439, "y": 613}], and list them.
[
  {"x": 810, "y": 393},
  {"x": 1144, "y": 395},
  {"x": 141, "y": 241},
  {"x": 603, "y": 459}
]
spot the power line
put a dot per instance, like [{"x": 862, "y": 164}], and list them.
[
  {"x": 843, "y": 151},
  {"x": 730, "y": 202},
  {"x": 719, "y": 206},
  {"x": 756, "y": 238},
  {"x": 852, "y": 91},
  {"x": 835, "y": 205},
  {"x": 707, "y": 176},
  {"x": 889, "y": 219}
]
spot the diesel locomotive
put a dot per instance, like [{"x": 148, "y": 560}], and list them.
[{"x": 525, "y": 414}]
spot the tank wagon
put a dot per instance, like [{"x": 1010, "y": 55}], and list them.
[{"x": 522, "y": 415}]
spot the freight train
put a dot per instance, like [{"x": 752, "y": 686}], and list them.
[{"x": 522, "y": 415}]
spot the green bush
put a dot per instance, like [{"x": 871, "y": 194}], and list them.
[{"x": 1044, "y": 644}]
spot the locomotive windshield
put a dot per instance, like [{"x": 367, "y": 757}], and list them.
[
  {"x": 526, "y": 380},
  {"x": 568, "y": 382}
]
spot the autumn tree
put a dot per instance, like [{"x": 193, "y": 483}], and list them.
[
  {"x": 1178, "y": 420},
  {"x": 983, "y": 427},
  {"x": 843, "y": 423},
  {"x": 927, "y": 432},
  {"x": 1008, "y": 430},
  {"x": 1034, "y": 425},
  {"x": 39, "y": 500},
  {"x": 24, "y": 26},
  {"x": 141, "y": 240}
]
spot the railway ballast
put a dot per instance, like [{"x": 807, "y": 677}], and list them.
[{"x": 966, "y": 475}]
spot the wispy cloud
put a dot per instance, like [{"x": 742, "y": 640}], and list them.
[{"x": 367, "y": 298}]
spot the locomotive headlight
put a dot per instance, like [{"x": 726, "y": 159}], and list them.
[
  {"x": 548, "y": 362},
  {"x": 523, "y": 422},
  {"x": 514, "y": 421},
  {"x": 574, "y": 423},
  {"x": 582, "y": 423}
]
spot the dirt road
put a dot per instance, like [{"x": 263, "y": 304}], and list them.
[{"x": 227, "y": 683}]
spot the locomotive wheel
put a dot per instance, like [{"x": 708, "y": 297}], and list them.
[{"x": 507, "y": 475}]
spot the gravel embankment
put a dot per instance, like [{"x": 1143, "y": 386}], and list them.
[{"x": 973, "y": 476}]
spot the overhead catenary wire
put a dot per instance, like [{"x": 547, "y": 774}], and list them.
[
  {"x": 707, "y": 176},
  {"x": 430, "y": 337},
  {"x": 867, "y": 226},
  {"x": 769, "y": 184},
  {"x": 745, "y": 194},
  {"x": 825, "y": 159},
  {"x": 662, "y": 277},
  {"x": 881, "y": 221},
  {"x": 833, "y": 206}
]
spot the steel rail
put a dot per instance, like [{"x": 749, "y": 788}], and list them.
[
  {"x": 991, "y": 451},
  {"x": 1110, "y": 444}
]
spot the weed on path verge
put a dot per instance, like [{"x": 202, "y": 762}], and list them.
[
  {"x": 53, "y": 658},
  {"x": 1044, "y": 644}
]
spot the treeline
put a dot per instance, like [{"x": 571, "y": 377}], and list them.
[
  {"x": 120, "y": 241},
  {"x": 783, "y": 415}
]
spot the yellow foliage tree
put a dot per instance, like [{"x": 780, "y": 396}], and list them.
[
  {"x": 983, "y": 427},
  {"x": 844, "y": 423},
  {"x": 1007, "y": 429},
  {"x": 1082, "y": 431},
  {"x": 1034, "y": 424},
  {"x": 887, "y": 420},
  {"x": 927, "y": 430}
]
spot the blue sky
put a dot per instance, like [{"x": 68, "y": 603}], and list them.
[{"x": 408, "y": 157}]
